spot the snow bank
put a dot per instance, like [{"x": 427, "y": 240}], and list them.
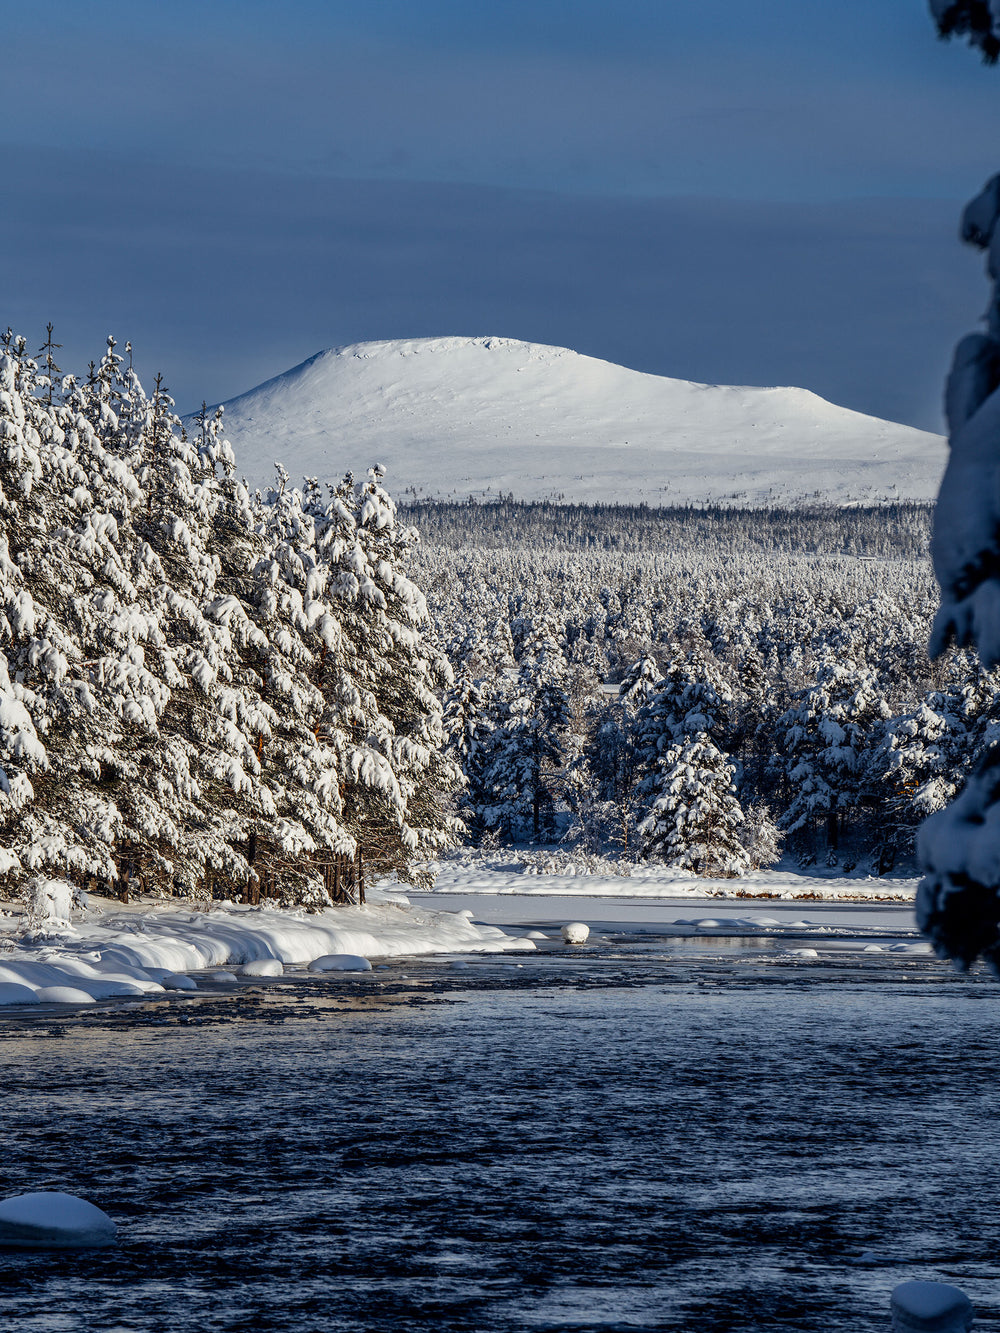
[
  {"x": 474, "y": 874},
  {"x": 133, "y": 954}
]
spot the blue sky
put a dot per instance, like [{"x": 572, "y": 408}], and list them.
[{"x": 760, "y": 193}]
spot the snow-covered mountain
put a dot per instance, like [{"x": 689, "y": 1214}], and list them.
[{"x": 473, "y": 416}]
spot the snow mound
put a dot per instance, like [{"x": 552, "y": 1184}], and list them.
[
  {"x": 340, "y": 962},
  {"x": 935, "y": 1307},
  {"x": 65, "y": 995},
  {"x": 53, "y": 1221},
  {"x": 263, "y": 967},
  {"x": 575, "y": 932},
  {"x": 51, "y": 900},
  {"x": 178, "y": 981},
  {"x": 453, "y": 417}
]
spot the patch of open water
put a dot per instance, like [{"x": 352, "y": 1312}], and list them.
[{"x": 588, "y": 1142}]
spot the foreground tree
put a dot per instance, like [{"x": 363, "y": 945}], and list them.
[{"x": 958, "y": 902}]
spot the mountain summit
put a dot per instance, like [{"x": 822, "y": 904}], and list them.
[{"x": 453, "y": 417}]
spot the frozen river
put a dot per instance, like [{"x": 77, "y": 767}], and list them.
[{"x": 664, "y": 1131}]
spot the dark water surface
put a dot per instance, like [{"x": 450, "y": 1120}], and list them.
[{"x": 728, "y": 1145}]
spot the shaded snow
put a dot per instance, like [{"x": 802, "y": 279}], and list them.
[
  {"x": 52, "y": 1220},
  {"x": 463, "y": 416}
]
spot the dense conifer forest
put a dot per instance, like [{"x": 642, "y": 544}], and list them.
[
  {"x": 704, "y": 687},
  {"x": 202, "y": 690}
]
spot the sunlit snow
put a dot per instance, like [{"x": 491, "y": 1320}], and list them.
[{"x": 471, "y": 416}]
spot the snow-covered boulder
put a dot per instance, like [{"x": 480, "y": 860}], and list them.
[
  {"x": 575, "y": 932},
  {"x": 66, "y": 995},
  {"x": 340, "y": 962},
  {"x": 53, "y": 1221},
  {"x": 933, "y": 1307},
  {"x": 178, "y": 981},
  {"x": 263, "y": 967}
]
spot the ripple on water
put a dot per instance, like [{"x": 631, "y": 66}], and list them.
[{"x": 755, "y": 1156}]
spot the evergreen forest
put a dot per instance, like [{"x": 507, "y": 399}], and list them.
[
  {"x": 215, "y": 692},
  {"x": 705, "y": 687}
]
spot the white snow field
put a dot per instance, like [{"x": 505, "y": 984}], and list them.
[
  {"x": 457, "y": 417},
  {"x": 505, "y": 872}
]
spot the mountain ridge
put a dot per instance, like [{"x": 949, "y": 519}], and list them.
[{"x": 454, "y": 416}]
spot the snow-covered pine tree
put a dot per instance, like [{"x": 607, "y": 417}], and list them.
[
  {"x": 383, "y": 713},
  {"x": 828, "y": 734},
  {"x": 469, "y": 722},
  {"x": 689, "y": 810},
  {"x": 527, "y": 750},
  {"x": 639, "y": 682},
  {"x": 160, "y": 632},
  {"x": 694, "y": 819},
  {"x": 916, "y": 769},
  {"x": 689, "y": 699},
  {"x": 958, "y": 901},
  {"x": 80, "y": 619}
]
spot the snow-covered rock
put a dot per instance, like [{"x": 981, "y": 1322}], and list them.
[
  {"x": 934, "y": 1307},
  {"x": 65, "y": 995},
  {"x": 53, "y": 1221},
  {"x": 340, "y": 962},
  {"x": 178, "y": 981},
  {"x": 463, "y": 416},
  {"x": 575, "y": 932},
  {"x": 263, "y": 967}
]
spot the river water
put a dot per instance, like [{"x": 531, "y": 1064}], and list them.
[{"x": 615, "y": 1140}]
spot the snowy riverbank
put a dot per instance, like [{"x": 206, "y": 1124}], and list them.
[
  {"x": 561, "y": 876},
  {"x": 114, "y": 951}
]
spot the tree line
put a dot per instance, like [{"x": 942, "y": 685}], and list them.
[
  {"x": 201, "y": 689},
  {"x": 705, "y": 688}
]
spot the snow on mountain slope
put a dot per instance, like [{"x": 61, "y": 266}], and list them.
[{"x": 476, "y": 416}]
